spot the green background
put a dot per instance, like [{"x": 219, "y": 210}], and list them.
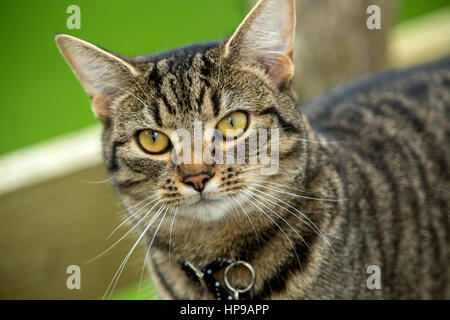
[
  {"x": 41, "y": 98},
  {"x": 410, "y": 9}
]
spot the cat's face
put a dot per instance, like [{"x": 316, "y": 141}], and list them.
[
  {"x": 168, "y": 117},
  {"x": 191, "y": 97}
]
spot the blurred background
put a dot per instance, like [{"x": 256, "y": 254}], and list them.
[{"x": 56, "y": 206}]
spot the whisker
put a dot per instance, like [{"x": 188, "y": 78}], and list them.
[
  {"x": 148, "y": 250},
  {"x": 136, "y": 82},
  {"x": 125, "y": 209},
  {"x": 281, "y": 185},
  {"x": 171, "y": 229},
  {"x": 132, "y": 215},
  {"x": 250, "y": 169},
  {"x": 297, "y": 195},
  {"x": 124, "y": 262},
  {"x": 260, "y": 167},
  {"x": 129, "y": 231},
  {"x": 247, "y": 215},
  {"x": 325, "y": 142},
  {"x": 94, "y": 181},
  {"x": 284, "y": 220},
  {"x": 130, "y": 93},
  {"x": 292, "y": 245},
  {"x": 313, "y": 227}
]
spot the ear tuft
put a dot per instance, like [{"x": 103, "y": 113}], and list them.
[
  {"x": 266, "y": 39},
  {"x": 102, "y": 74}
]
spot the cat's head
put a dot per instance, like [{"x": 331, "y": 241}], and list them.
[{"x": 240, "y": 86}]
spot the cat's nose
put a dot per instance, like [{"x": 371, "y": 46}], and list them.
[{"x": 198, "y": 181}]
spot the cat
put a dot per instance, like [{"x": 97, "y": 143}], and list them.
[{"x": 359, "y": 205}]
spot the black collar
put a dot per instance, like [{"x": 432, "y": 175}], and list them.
[{"x": 206, "y": 277}]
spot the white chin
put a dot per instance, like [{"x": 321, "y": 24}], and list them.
[{"x": 206, "y": 209}]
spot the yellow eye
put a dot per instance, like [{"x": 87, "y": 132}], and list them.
[
  {"x": 233, "y": 125},
  {"x": 153, "y": 141}
]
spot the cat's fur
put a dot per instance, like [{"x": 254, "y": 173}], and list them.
[{"x": 368, "y": 164}]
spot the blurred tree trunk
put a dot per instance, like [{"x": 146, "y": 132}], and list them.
[{"x": 334, "y": 45}]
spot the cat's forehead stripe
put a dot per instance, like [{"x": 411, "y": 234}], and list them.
[{"x": 180, "y": 85}]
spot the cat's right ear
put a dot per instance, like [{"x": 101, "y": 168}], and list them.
[
  {"x": 102, "y": 74},
  {"x": 266, "y": 39}
]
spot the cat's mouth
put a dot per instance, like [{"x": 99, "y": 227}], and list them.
[
  {"x": 203, "y": 199},
  {"x": 206, "y": 200},
  {"x": 208, "y": 206}
]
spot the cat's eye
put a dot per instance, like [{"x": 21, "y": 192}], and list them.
[
  {"x": 233, "y": 125},
  {"x": 153, "y": 141}
]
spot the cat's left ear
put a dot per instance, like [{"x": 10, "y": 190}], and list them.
[
  {"x": 104, "y": 76},
  {"x": 265, "y": 39}
]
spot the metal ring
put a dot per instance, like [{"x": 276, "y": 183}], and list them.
[{"x": 249, "y": 267}]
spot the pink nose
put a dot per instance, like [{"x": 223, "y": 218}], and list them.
[{"x": 197, "y": 181}]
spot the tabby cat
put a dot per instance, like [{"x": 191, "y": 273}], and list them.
[{"x": 359, "y": 205}]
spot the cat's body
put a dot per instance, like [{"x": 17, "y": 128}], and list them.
[
  {"x": 392, "y": 159},
  {"x": 362, "y": 185}
]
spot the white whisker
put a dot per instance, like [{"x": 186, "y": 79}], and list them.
[
  {"x": 171, "y": 229},
  {"x": 124, "y": 262},
  {"x": 281, "y": 185},
  {"x": 132, "y": 215},
  {"x": 292, "y": 245},
  {"x": 313, "y": 227},
  {"x": 255, "y": 196},
  {"x": 130, "y": 93},
  {"x": 247, "y": 215},
  {"x": 148, "y": 250},
  {"x": 94, "y": 181},
  {"x": 129, "y": 231},
  {"x": 325, "y": 142},
  {"x": 135, "y": 81},
  {"x": 296, "y": 195}
]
